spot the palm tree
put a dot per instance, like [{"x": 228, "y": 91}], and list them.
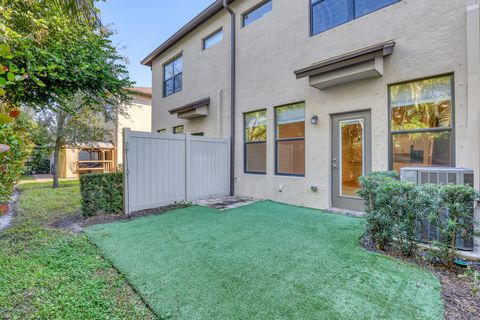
[{"x": 81, "y": 9}]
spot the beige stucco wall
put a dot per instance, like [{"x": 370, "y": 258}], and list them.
[
  {"x": 430, "y": 40},
  {"x": 139, "y": 118},
  {"x": 205, "y": 74}
]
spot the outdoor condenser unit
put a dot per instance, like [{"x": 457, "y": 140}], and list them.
[{"x": 424, "y": 175}]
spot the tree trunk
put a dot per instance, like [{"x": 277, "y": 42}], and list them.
[
  {"x": 56, "y": 165},
  {"x": 452, "y": 250},
  {"x": 59, "y": 142}
]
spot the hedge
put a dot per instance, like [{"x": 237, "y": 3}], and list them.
[
  {"x": 101, "y": 194},
  {"x": 396, "y": 211}
]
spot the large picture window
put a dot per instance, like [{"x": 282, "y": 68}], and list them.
[
  {"x": 256, "y": 142},
  {"x": 327, "y": 14},
  {"x": 290, "y": 139},
  {"x": 172, "y": 76},
  {"x": 421, "y": 123}
]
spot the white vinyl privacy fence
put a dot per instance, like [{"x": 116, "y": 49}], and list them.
[{"x": 163, "y": 168}]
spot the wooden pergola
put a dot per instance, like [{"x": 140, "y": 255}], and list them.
[{"x": 101, "y": 160}]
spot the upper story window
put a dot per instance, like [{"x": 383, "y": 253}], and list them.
[
  {"x": 213, "y": 39},
  {"x": 421, "y": 123},
  {"x": 162, "y": 130},
  {"x": 327, "y": 14},
  {"x": 172, "y": 76},
  {"x": 257, "y": 12}
]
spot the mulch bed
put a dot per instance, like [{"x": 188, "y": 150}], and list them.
[
  {"x": 77, "y": 222},
  {"x": 109, "y": 218},
  {"x": 460, "y": 302}
]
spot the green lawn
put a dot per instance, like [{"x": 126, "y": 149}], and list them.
[
  {"x": 46, "y": 273},
  {"x": 264, "y": 261}
]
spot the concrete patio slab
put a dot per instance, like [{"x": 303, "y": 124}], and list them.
[{"x": 225, "y": 203}]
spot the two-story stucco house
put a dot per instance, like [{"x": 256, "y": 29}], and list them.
[{"x": 315, "y": 93}]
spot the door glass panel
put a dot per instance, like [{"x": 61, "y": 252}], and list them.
[{"x": 351, "y": 156}]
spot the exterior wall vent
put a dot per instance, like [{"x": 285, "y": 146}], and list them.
[{"x": 424, "y": 175}]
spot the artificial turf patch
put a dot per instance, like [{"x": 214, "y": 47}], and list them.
[{"x": 264, "y": 261}]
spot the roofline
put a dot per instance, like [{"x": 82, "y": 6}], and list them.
[
  {"x": 201, "y": 18},
  {"x": 134, "y": 92}
]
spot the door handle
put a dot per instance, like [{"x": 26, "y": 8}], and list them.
[{"x": 334, "y": 163}]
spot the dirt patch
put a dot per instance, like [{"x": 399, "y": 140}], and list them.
[
  {"x": 109, "y": 218},
  {"x": 77, "y": 222},
  {"x": 70, "y": 223},
  {"x": 460, "y": 302}
]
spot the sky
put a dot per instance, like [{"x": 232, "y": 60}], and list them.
[{"x": 142, "y": 25}]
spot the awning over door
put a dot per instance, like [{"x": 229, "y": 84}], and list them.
[
  {"x": 192, "y": 110},
  {"x": 354, "y": 66}
]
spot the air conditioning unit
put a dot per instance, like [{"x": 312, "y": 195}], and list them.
[{"x": 424, "y": 175}]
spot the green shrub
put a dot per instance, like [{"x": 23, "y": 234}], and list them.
[
  {"x": 396, "y": 201},
  {"x": 16, "y": 135},
  {"x": 474, "y": 276},
  {"x": 396, "y": 212},
  {"x": 39, "y": 161},
  {"x": 102, "y": 194},
  {"x": 458, "y": 200},
  {"x": 379, "y": 225}
]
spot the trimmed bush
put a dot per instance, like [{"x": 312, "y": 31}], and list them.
[
  {"x": 17, "y": 136},
  {"x": 101, "y": 194},
  {"x": 396, "y": 212},
  {"x": 379, "y": 225}
]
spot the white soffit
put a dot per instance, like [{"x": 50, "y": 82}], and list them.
[{"x": 196, "y": 113}]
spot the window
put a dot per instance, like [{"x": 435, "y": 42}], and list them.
[
  {"x": 198, "y": 134},
  {"x": 327, "y": 14},
  {"x": 363, "y": 7},
  {"x": 256, "y": 142},
  {"x": 421, "y": 123},
  {"x": 178, "y": 130},
  {"x": 89, "y": 155},
  {"x": 290, "y": 139},
  {"x": 172, "y": 76},
  {"x": 257, "y": 13},
  {"x": 213, "y": 39},
  {"x": 162, "y": 131}
]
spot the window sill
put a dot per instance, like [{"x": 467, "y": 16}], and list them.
[
  {"x": 253, "y": 174},
  {"x": 289, "y": 176}
]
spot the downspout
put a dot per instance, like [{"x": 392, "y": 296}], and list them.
[
  {"x": 116, "y": 140},
  {"x": 233, "y": 99}
]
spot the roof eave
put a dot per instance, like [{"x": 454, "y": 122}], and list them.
[
  {"x": 191, "y": 106},
  {"x": 204, "y": 16}
]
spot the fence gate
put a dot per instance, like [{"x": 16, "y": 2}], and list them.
[{"x": 163, "y": 168}]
